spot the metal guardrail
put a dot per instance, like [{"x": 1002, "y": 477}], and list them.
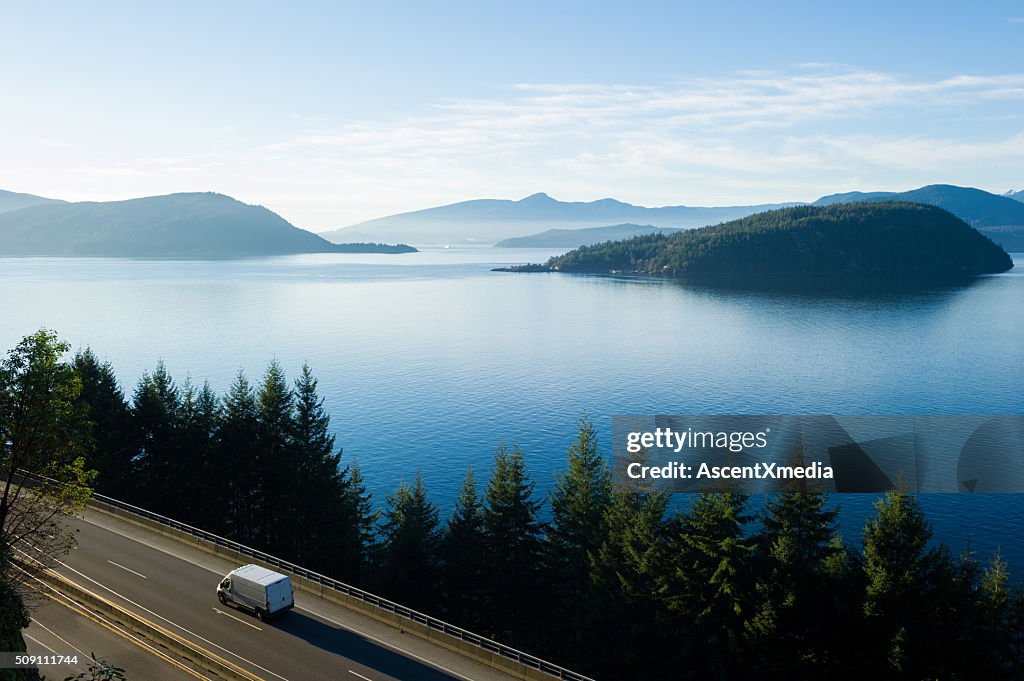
[{"x": 384, "y": 604}]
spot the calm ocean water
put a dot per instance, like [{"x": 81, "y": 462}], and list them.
[{"x": 429, "y": 360}]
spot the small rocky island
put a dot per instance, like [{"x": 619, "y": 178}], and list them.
[{"x": 849, "y": 241}]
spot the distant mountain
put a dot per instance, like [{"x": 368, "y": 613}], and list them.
[
  {"x": 1010, "y": 238},
  {"x": 574, "y": 238},
  {"x": 1000, "y": 218},
  {"x": 14, "y": 201},
  {"x": 176, "y": 225},
  {"x": 848, "y": 240},
  {"x": 1015, "y": 195},
  {"x": 487, "y": 221},
  {"x": 976, "y": 207}
]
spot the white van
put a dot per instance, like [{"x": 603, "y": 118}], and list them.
[{"x": 263, "y": 591}]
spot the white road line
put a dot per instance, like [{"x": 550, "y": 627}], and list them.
[
  {"x": 346, "y": 627},
  {"x": 237, "y": 619},
  {"x": 128, "y": 569},
  {"x": 38, "y": 642},
  {"x": 105, "y": 621},
  {"x": 367, "y": 678},
  {"x": 381, "y": 642},
  {"x": 62, "y": 640},
  {"x": 173, "y": 624}
]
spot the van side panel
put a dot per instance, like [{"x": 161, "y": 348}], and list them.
[{"x": 247, "y": 593}]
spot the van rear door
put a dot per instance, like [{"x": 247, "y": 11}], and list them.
[{"x": 279, "y": 595}]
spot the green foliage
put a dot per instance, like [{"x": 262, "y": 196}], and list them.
[
  {"x": 156, "y": 404},
  {"x": 43, "y": 430},
  {"x": 14, "y": 617},
  {"x": 707, "y": 584},
  {"x": 464, "y": 556},
  {"x": 196, "y": 455},
  {"x": 801, "y": 574},
  {"x": 896, "y": 559},
  {"x": 237, "y": 440},
  {"x": 99, "y": 670},
  {"x": 359, "y": 499},
  {"x": 921, "y": 607},
  {"x": 580, "y": 500},
  {"x": 848, "y": 239},
  {"x": 322, "y": 488},
  {"x": 624, "y": 578},
  {"x": 276, "y": 474},
  {"x": 410, "y": 546},
  {"x": 103, "y": 403},
  {"x": 515, "y": 549}
]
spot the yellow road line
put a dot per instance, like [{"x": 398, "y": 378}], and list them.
[
  {"x": 166, "y": 632},
  {"x": 71, "y": 605}
]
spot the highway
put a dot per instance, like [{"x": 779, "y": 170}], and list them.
[
  {"x": 61, "y": 628},
  {"x": 174, "y": 586}
]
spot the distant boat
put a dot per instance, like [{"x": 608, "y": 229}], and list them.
[{"x": 447, "y": 246}]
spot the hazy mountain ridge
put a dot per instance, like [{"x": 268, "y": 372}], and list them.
[
  {"x": 573, "y": 238},
  {"x": 845, "y": 239},
  {"x": 16, "y": 200},
  {"x": 487, "y": 221},
  {"x": 175, "y": 225}
]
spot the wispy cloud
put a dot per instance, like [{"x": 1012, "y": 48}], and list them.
[
  {"x": 818, "y": 124},
  {"x": 1016, "y": 20}
]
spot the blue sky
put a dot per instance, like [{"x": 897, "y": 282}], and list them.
[{"x": 331, "y": 113}]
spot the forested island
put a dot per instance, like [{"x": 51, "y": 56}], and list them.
[
  {"x": 598, "y": 575},
  {"x": 846, "y": 240}
]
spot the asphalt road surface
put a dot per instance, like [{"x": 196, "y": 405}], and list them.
[
  {"x": 62, "y": 629},
  {"x": 174, "y": 585}
]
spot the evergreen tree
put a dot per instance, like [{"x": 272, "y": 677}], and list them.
[
  {"x": 275, "y": 464},
  {"x": 112, "y": 453},
  {"x": 359, "y": 498},
  {"x": 410, "y": 545},
  {"x": 236, "y": 450},
  {"x": 333, "y": 541},
  {"x": 623, "y": 636},
  {"x": 200, "y": 502},
  {"x": 515, "y": 550},
  {"x": 706, "y": 584},
  {"x": 802, "y": 581},
  {"x": 463, "y": 551},
  {"x": 1002, "y": 608},
  {"x": 579, "y": 502},
  {"x": 899, "y": 571},
  {"x": 156, "y": 404},
  {"x": 960, "y": 639}
]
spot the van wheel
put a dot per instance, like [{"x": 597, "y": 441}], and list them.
[
  {"x": 220, "y": 597},
  {"x": 260, "y": 614}
]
